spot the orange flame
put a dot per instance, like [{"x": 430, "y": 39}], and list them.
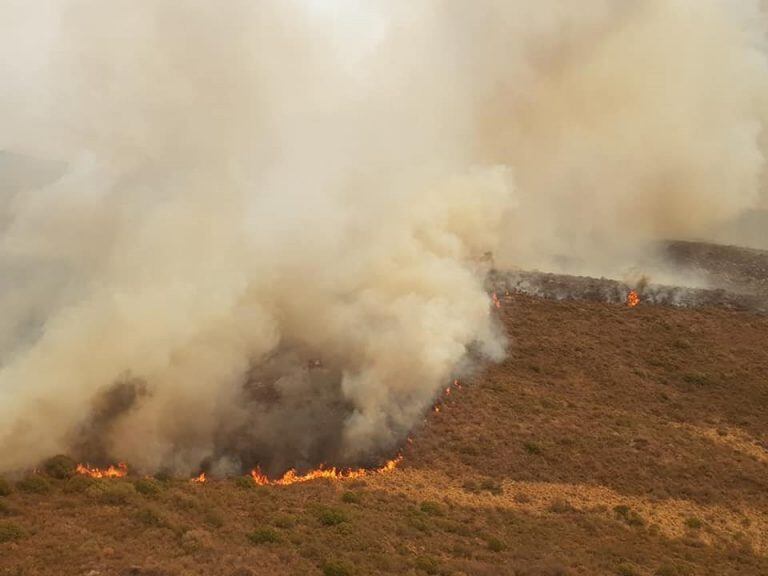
[
  {"x": 291, "y": 477},
  {"x": 633, "y": 299},
  {"x": 119, "y": 471},
  {"x": 199, "y": 479},
  {"x": 496, "y": 301}
]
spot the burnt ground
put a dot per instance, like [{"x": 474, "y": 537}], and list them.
[{"x": 612, "y": 441}]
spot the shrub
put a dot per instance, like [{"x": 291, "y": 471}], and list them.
[
  {"x": 627, "y": 515},
  {"x": 431, "y": 508},
  {"x": 471, "y": 487},
  {"x": 78, "y": 484},
  {"x": 350, "y": 497},
  {"x": 148, "y": 486},
  {"x": 331, "y": 516},
  {"x": 5, "y": 487},
  {"x": 333, "y": 568},
  {"x": 10, "y": 532},
  {"x": 495, "y": 545},
  {"x": 428, "y": 564},
  {"x": 559, "y": 506},
  {"x": 60, "y": 467},
  {"x": 264, "y": 536},
  {"x": 693, "y": 523},
  {"x": 244, "y": 482},
  {"x": 492, "y": 486},
  {"x": 150, "y": 517},
  {"x": 626, "y": 570},
  {"x": 532, "y": 448},
  {"x": 34, "y": 484},
  {"x": 214, "y": 518},
  {"x": 114, "y": 493}
]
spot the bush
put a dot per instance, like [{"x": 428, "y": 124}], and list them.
[
  {"x": 693, "y": 523},
  {"x": 331, "y": 516},
  {"x": 428, "y": 564},
  {"x": 214, "y": 518},
  {"x": 626, "y": 570},
  {"x": 34, "y": 484},
  {"x": 264, "y": 536},
  {"x": 532, "y": 448},
  {"x": 495, "y": 545},
  {"x": 78, "y": 484},
  {"x": 113, "y": 493},
  {"x": 628, "y": 516},
  {"x": 148, "y": 486},
  {"x": 5, "y": 487},
  {"x": 351, "y": 497},
  {"x": 60, "y": 467},
  {"x": 333, "y": 568},
  {"x": 431, "y": 508},
  {"x": 150, "y": 517},
  {"x": 492, "y": 486},
  {"x": 10, "y": 532},
  {"x": 244, "y": 482}
]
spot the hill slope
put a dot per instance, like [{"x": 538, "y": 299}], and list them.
[{"x": 611, "y": 441}]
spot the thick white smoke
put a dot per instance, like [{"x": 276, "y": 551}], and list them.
[{"x": 249, "y": 187}]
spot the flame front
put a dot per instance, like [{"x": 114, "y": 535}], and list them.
[
  {"x": 199, "y": 479},
  {"x": 633, "y": 299},
  {"x": 291, "y": 477},
  {"x": 119, "y": 471}
]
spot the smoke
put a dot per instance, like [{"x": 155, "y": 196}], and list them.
[{"x": 267, "y": 242}]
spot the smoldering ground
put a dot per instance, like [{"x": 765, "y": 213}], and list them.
[{"x": 251, "y": 187}]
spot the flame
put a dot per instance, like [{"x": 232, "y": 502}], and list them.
[
  {"x": 496, "y": 301},
  {"x": 199, "y": 479},
  {"x": 119, "y": 471},
  {"x": 437, "y": 409},
  {"x": 291, "y": 477},
  {"x": 633, "y": 299}
]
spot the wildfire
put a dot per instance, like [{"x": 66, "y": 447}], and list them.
[
  {"x": 199, "y": 479},
  {"x": 291, "y": 477},
  {"x": 496, "y": 301},
  {"x": 119, "y": 471},
  {"x": 633, "y": 299}
]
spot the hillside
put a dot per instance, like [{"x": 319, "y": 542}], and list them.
[{"x": 611, "y": 441}]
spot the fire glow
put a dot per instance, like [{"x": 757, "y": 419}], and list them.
[
  {"x": 119, "y": 471},
  {"x": 633, "y": 299},
  {"x": 291, "y": 477}
]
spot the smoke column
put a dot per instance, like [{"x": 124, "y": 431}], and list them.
[{"x": 265, "y": 238}]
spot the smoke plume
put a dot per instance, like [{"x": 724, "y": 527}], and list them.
[{"x": 257, "y": 232}]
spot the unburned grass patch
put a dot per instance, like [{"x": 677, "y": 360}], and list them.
[
  {"x": 331, "y": 516},
  {"x": 5, "y": 487}
]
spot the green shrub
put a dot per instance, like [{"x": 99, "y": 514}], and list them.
[
  {"x": 532, "y": 448},
  {"x": 113, "y": 493},
  {"x": 244, "y": 482},
  {"x": 495, "y": 545},
  {"x": 350, "y": 497},
  {"x": 431, "y": 508},
  {"x": 333, "y": 568},
  {"x": 626, "y": 570},
  {"x": 492, "y": 486},
  {"x": 560, "y": 506},
  {"x": 628, "y": 516},
  {"x": 78, "y": 484},
  {"x": 148, "y": 486},
  {"x": 60, "y": 467},
  {"x": 5, "y": 487},
  {"x": 10, "y": 532},
  {"x": 264, "y": 536},
  {"x": 693, "y": 523},
  {"x": 331, "y": 516},
  {"x": 150, "y": 517},
  {"x": 427, "y": 564},
  {"x": 34, "y": 484}
]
